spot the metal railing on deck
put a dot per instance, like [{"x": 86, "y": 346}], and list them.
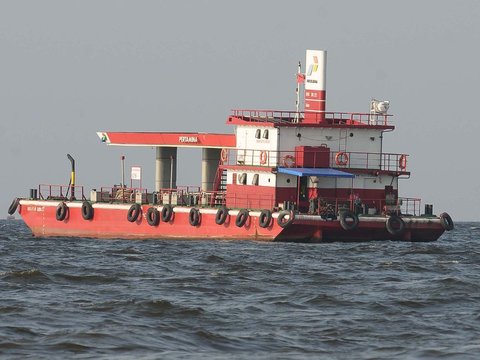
[
  {"x": 402, "y": 206},
  {"x": 331, "y": 118},
  {"x": 345, "y": 160},
  {"x": 60, "y": 192}
]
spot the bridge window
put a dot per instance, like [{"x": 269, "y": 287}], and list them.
[
  {"x": 243, "y": 179},
  {"x": 258, "y": 133},
  {"x": 255, "y": 179},
  {"x": 265, "y": 134}
]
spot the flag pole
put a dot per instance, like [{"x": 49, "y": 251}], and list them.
[{"x": 297, "y": 90}]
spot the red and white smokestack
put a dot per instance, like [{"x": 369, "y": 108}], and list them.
[{"x": 315, "y": 86}]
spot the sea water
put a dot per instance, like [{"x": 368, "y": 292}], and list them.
[{"x": 153, "y": 299}]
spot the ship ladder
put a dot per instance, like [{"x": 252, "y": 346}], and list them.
[{"x": 219, "y": 186}]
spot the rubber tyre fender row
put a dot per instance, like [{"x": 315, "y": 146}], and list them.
[
  {"x": 13, "y": 206},
  {"x": 242, "y": 217},
  {"x": 281, "y": 220},
  {"x": 446, "y": 221},
  {"x": 134, "y": 212},
  {"x": 221, "y": 215},
  {"x": 61, "y": 212},
  {"x": 87, "y": 210},
  {"x": 167, "y": 212},
  {"x": 265, "y": 218},
  {"x": 153, "y": 216},
  {"x": 395, "y": 225},
  {"x": 194, "y": 217},
  {"x": 348, "y": 225}
]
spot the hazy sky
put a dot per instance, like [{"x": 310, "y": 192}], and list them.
[{"x": 71, "y": 68}]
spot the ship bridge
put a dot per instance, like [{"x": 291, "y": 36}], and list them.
[{"x": 166, "y": 144}]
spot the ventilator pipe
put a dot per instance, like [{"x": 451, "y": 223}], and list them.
[{"x": 72, "y": 177}]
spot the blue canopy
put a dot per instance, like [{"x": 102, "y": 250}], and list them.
[{"x": 329, "y": 172}]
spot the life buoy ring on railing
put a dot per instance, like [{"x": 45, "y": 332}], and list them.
[
  {"x": 61, "y": 212},
  {"x": 242, "y": 217},
  {"x": 263, "y": 157},
  {"x": 395, "y": 225},
  {"x": 402, "y": 162},
  {"x": 289, "y": 161},
  {"x": 224, "y": 155},
  {"x": 341, "y": 158}
]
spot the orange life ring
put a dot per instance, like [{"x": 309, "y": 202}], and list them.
[
  {"x": 289, "y": 161},
  {"x": 341, "y": 158},
  {"x": 263, "y": 157},
  {"x": 224, "y": 155},
  {"x": 402, "y": 162}
]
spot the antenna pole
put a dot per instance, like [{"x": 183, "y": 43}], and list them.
[{"x": 123, "y": 171}]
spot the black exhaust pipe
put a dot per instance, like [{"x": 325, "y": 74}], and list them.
[{"x": 72, "y": 177}]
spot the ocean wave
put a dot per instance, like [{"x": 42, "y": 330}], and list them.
[{"x": 33, "y": 275}]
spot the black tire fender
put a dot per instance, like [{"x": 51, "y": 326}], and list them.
[
  {"x": 265, "y": 218},
  {"x": 153, "y": 216},
  {"x": 348, "y": 225},
  {"x": 281, "y": 218},
  {"x": 446, "y": 221},
  {"x": 13, "y": 206},
  {"x": 221, "y": 215},
  {"x": 242, "y": 217},
  {"x": 167, "y": 212},
  {"x": 61, "y": 212},
  {"x": 395, "y": 225},
  {"x": 194, "y": 217},
  {"x": 134, "y": 212},
  {"x": 87, "y": 210}
]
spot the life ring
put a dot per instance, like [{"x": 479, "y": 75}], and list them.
[
  {"x": 87, "y": 210},
  {"x": 61, "y": 212},
  {"x": 341, "y": 158},
  {"x": 224, "y": 155},
  {"x": 289, "y": 161},
  {"x": 263, "y": 157},
  {"x": 167, "y": 212},
  {"x": 265, "y": 218},
  {"x": 281, "y": 221},
  {"x": 13, "y": 206},
  {"x": 242, "y": 217},
  {"x": 194, "y": 217},
  {"x": 221, "y": 215},
  {"x": 402, "y": 162},
  {"x": 133, "y": 212},
  {"x": 153, "y": 216},
  {"x": 348, "y": 225},
  {"x": 395, "y": 225},
  {"x": 446, "y": 221}
]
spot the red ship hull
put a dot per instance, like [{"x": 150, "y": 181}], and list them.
[{"x": 110, "y": 222}]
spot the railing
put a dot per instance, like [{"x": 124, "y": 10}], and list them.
[
  {"x": 332, "y": 118},
  {"x": 370, "y": 206},
  {"x": 313, "y": 159},
  {"x": 60, "y": 192},
  {"x": 193, "y": 196}
]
